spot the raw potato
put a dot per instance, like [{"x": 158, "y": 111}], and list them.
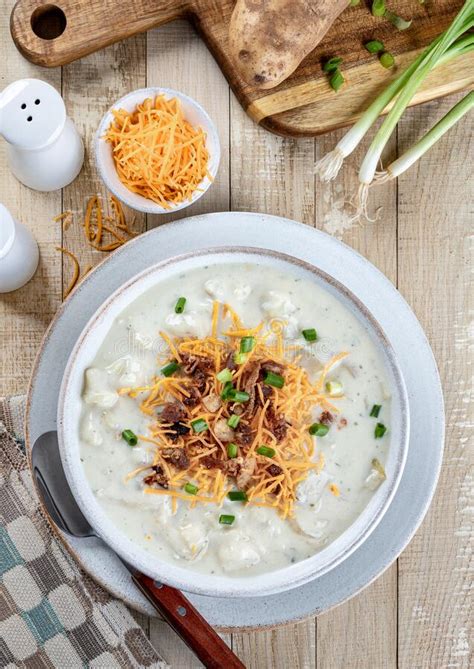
[{"x": 269, "y": 38}]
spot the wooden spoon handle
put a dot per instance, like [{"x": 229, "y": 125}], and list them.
[{"x": 189, "y": 624}]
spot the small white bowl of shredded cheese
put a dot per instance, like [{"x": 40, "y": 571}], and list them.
[{"x": 157, "y": 150}]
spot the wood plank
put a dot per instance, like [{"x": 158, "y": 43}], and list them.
[
  {"x": 284, "y": 647},
  {"x": 25, "y": 313},
  {"x": 435, "y": 219},
  {"x": 362, "y": 632},
  {"x": 178, "y": 59},
  {"x": 273, "y": 175},
  {"x": 90, "y": 87}
]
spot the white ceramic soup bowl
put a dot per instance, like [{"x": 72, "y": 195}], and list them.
[
  {"x": 193, "y": 112},
  {"x": 70, "y": 406}
]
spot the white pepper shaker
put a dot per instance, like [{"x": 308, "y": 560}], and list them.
[
  {"x": 45, "y": 151},
  {"x": 19, "y": 253}
]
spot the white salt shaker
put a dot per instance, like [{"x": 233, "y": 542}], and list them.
[
  {"x": 45, "y": 151},
  {"x": 19, "y": 253}
]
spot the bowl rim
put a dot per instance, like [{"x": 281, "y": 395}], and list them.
[
  {"x": 274, "y": 581},
  {"x": 148, "y": 206}
]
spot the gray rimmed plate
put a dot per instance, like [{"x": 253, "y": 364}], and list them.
[{"x": 380, "y": 297}]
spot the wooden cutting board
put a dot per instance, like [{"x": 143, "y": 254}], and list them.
[{"x": 304, "y": 104}]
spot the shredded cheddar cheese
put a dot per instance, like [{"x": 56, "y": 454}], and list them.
[
  {"x": 157, "y": 152},
  {"x": 102, "y": 232},
  {"x": 273, "y": 480},
  {"x": 76, "y": 269}
]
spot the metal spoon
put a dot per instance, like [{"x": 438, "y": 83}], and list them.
[{"x": 178, "y": 611}]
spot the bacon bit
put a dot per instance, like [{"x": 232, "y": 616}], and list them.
[
  {"x": 230, "y": 362},
  {"x": 193, "y": 399},
  {"x": 326, "y": 418},
  {"x": 342, "y": 423},
  {"x": 157, "y": 478},
  {"x": 244, "y": 434},
  {"x": 277, "y": 424},
  {"x": 197, "y": 367},
  {"x": 242, "y": 470},
  {"x": 267, "y": 392},
  {"x": 334, "y": 489},
  {"x": 274, "y": 470},
  {"x": 272, "y": 366},
  {"x": 173, "y": 412},
  {"x": 177, "y": 430},
  {"x": 212, "y": 463},
  {"x": 250, "y": 388},
  {"x": 177, "y": 456}
]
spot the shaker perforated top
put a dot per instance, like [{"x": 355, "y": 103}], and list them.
[{"x": 32, "y": 113}]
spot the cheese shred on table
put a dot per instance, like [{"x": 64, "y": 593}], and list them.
[
  {"x": 157, "y": 152},
  {"x": 277, "y": 419}
]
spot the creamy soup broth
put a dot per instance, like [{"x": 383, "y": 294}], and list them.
[{"x": 259, "y": 540}]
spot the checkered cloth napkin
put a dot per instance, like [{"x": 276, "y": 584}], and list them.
[{"x": 51, "y": 613}]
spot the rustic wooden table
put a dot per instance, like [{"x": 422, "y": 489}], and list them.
[{"x": 417, "y": 614}]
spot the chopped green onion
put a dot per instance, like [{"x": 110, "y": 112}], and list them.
[
  {"x": 455, "y": 41},
  {"x": 397, "y": 21},
  {"x": 380, "y": 430},
  {"x": 247, "y": 344},
  {"x": 232, "y": 450},
  {"x": 240, "y": 358},
  {"x": 233, "y": 421},
  {"x": 224, "y": 376},
  {"x": 310, "y": 334},
  {"x": 405, "y": 161},
  {"x": 228, "y": 387},
  {"x": 354, "y": 3},
  {"x": 238, "y": 395},
  {"x": 179, "y": 306},
  {"x": 266, "y": 451},
  {"x": 170, "y": 368},
  {"x": 334, "y": 388},
  {"x": 130, "y": 437},
  {"x": 275, "y": 380},
  {"x": 336, "y": 80},
  {"x": 191, "y": 489},
  {"x": 387, "y": 60},
  {"x": 378, "y": 8},
  {"x": 237, "y": 496},
  {"x": 374, "y": 46},
  {"x": 332, "y": 65},
  {"x": 199, "y": 425},
  {"x": 430, "y": 58},
  {"x": 318, "y": 429},
  {"x": 225, "y": 519},
  {"x": 374, "y": 412}
]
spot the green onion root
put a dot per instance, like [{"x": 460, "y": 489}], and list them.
[
  {"x": 327, "y": 168},
  {"x": 450, "y": 44},
  {"x": 420, "y": 148}
]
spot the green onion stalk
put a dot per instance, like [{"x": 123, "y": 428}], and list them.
[
  {"x": 420, "y": 148},
  {"x": 463, "y": 21},
  {"x": 447, "y": 46}
]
